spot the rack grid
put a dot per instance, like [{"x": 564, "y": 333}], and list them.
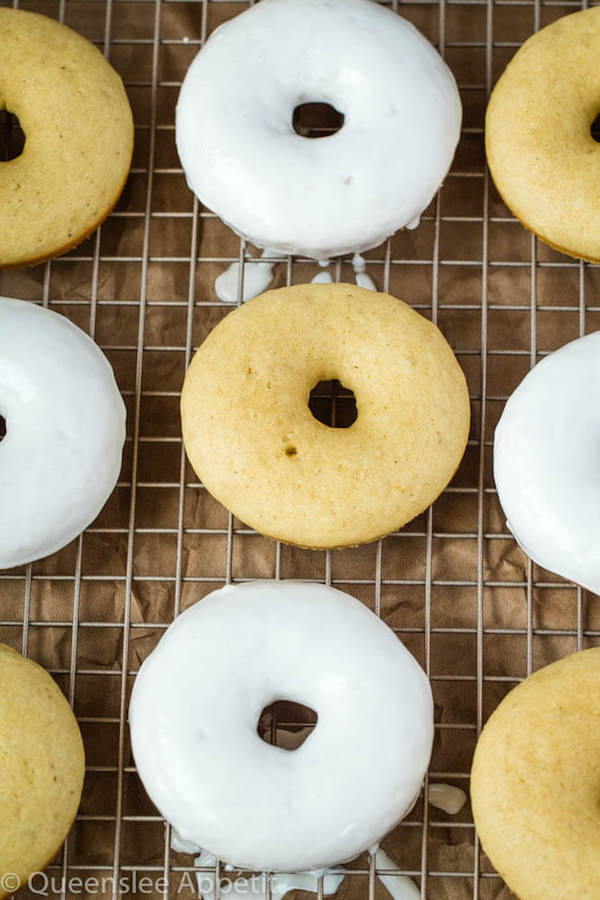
[{"x": 477, "y": 614}]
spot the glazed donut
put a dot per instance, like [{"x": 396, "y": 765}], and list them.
[
  {"x": 65, "y": 428},
  {"x": 540, "y": 150},
  {"x": 74, "y": 112},
  {"x": 536, "y": 780},
  {"x": 338, "y": 194},
  {"x": 41, "y": 776},
  {"x": 196, "y": 704},
  {"x": 546, "y": 462},
  {"x": 254, "y": 443}
]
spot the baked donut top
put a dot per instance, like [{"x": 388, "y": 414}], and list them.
[
  {"x": 78, "y": 127},
  {"x": 543, "y": 158},
  {"x": 252, "y": 439},
  {"x": 41, "y": 766}
]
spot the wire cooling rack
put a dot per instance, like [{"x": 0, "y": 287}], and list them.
[{"x": 476, "y": 613}]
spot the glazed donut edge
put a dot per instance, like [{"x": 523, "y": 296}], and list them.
[
  {"x": 333, "y": 195},
  {"x": 65, "y": 431},
  {"x": 262, "y": 807}
]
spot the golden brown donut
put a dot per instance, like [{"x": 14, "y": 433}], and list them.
[
  {"x": 542, "y": 156},
  {"x": 78, "y": 127},
  {"x": 254, "y": 443},
  {"x": 41, "y": 768},
  {"x": 535, "y": 783}
]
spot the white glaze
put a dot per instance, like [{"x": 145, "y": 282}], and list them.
[
  {"x": 362, "y": 279},
  {"x": 401, "y": 887},
  {"x": 327, "y": 196},
  {"x": 256, "y": 885},
  {"x": 547, "y": 462},
  {"x": 365, "y": 281},
  {"x": 257, "y": 278},
  {"x": 65, "y": 429},
  {"x": 322, "y": 278},
  {"x": 447, "y": 797},
  {"x": 180, "y": 846},
  {"x": 248, "y": 803}
]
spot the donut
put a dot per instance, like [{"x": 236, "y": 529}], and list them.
[
  {"x": 546, "y": 462},
  {"x": 41, "y": 776},
  {"x": 196, "y": 704},
  {"x": 252, "y": 440},
  {"x": 540, "y": 150},
  {"x": 319, "y": 197},
  {"x": 73, "y": 110},
  {"x": 64, "y": 423},
  {"x": 535, "y": 783}
]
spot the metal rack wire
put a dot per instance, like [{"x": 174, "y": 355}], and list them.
[{"x": 476, "y": 613}]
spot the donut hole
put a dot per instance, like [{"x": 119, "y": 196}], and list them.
[
  {"x": 595, "y": 129},
  {"x": 2, "y": 427},
  {"x": 12, "y": 136},
  {"x": 316, "y": 120},
  {"x": 286, "y": 724},
  {"x": 333, "y": 404}
]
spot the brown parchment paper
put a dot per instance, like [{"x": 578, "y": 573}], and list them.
[{"x": 454, "y": 585}]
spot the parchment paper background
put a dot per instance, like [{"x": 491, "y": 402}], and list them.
[{"x": 455, "y": 586}]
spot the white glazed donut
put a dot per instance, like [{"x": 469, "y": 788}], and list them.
[
  {"x": 198, "y": 698},
  {"x": 327, "y": 196},
  {"x": 65, "y": 429},
  {"x": 547, "y": 462}
]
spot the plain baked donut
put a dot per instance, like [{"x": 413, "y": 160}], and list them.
[
  {"x": 65, "y": 429},
  {"x": 78, "y": 127},
  {"x": 196, "y": 704},
  {"x": 535, "y": 783},
  {"x": 41, "y": 775},
  {"x": 317, "y": 197},
  {"x": 542, "y": 156},
  {"x": 546, "y": 463},
  {"x": 254, "y": 443}
]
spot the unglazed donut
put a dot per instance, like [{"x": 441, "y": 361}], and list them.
[
  {"x": 540, "y": 150},
  {"x": 536, "y": 780},
  {"x": 253, "y": 441},
  {"x": 65, "y": 429},
  {"x": 196, "y": 704},
  {"x": 78, "y": 127},
  {"x": 546, "y": 462},
  {"x": 339, "y": 194},
  {"x": 41, "y": 776}
]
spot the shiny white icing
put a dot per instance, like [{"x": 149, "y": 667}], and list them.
[
  {"x": 362, "y": 279},
  {"x": 322, "y": 278},
  {"x": 326, "y": 196},
  {"x": 65, "y": 429},
  {"x": 365, "y": 281},
  {"x": 198, "y": 697},
  {"x": 180, "y": 846},
  {"x": 547, "y": 462},
  {"x": 401, "y": 887},
  {"x": 257, "y": 278},
  {"x": 256, "y": 885},
  {"x": 447, "y": 797}
]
